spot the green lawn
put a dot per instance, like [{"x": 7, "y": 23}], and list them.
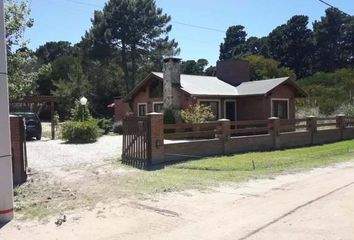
[{"x": 239, "y": 167}]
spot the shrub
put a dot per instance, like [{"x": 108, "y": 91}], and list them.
[
  {"x": 80, "y": 113},
  {"x": 197, "y": 113},
  {"x": 347, "y": 109},
  {"x": 80, "y": 132},
  {"x": 105, "y": 125},
  {"x": 169, "y": 117}
]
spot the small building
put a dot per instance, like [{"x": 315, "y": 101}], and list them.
[{"x": 230, "y": 94}]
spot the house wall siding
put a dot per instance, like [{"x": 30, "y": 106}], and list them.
[
  {"x": 283, "y": 91},
  {"x": 247, "y": 108}
]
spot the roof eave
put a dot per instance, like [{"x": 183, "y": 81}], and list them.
[{"x": 141, "y": 84}]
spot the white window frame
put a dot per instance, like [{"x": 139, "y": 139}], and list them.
[
  {"x": 230, "y": 100},
  {"x": 279, "y": 99},
  {"x": 154, "y": 103},
  {"x": 212, "y": 100},
  {"x": 138, "y": 107}
]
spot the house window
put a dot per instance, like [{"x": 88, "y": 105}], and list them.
[
  {"x": 215, "y": 108},
  {"x": 280, "y": 108},
  {"x": 157, "y": 106},
  {"x": 142, "y": 109}
]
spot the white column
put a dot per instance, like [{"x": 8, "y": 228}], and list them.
[{"x": 6, "y": 189}]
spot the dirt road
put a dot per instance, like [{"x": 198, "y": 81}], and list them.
[{"x": 312, "y": 205}]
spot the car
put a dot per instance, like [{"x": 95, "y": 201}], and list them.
[{"x": 33, "y": 124}]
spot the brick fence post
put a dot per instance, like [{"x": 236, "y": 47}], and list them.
[
  {"x": 273, "y": 128},
  {"x": 340, "y": 123},
  {"x": 225, "y": 134},
  {"x": 156, "y": 148},
  {"x": 311, "y": 126}
]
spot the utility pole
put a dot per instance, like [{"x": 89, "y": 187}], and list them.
[{"x": 6, "y": 185}]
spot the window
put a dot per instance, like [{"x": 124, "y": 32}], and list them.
[
  {"x": 215, "y": 107},
  {"x": 157, "y": 106},
  {"x": 142, "y": 109},
  {"x": 280, "y": 108}
]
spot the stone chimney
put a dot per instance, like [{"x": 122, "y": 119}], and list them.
[
  {"x": 171, "y": 82},
  {"x": 233, "y": 71}
]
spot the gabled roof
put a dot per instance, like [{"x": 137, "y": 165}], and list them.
[
  {"x": 204, "y": 85},
  {"x": 212, "y": 86},
  {"x": 260, "y": 87}
]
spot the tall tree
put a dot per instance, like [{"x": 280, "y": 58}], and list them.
[
  {"x": 22, "y": 67},
  {"x": 234, "y": 42},
  {"x": 70, "y": 83},
  {"x": 292, "y": 45},
  {"x": 194, "y": 67},
  {"x": 265, "y": 68},
  {"x": 134, "y": 29},
  {"x": 333, "y": 41},
  {"x": 51, "y": 51},
  {"x": 256, "y": 46}
]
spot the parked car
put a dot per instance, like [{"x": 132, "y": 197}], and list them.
[{"x": 33, "y": 124}]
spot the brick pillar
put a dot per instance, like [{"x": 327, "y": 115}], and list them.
[
  {"x": 311, "y": 123},
  {"x": 273, "y": 128},
  {"x": 340, "y": 123},
  {"x": 17, "y": 147},
  {"x": 225, "y": 134},
  {"x": 156, "y": 138}
]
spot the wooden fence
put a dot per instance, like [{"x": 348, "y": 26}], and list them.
[
  {"x": 249, "y": 127},
  {"x": 135, "y": 150},
  {"x": 144, "y": 141}
]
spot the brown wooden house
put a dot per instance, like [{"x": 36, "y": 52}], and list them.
[{"x": 230, "y": 93}]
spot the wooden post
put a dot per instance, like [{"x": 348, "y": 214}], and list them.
[
  {"x": 156, "y": 138},
  {"x": 340, "y": 123},
  {"x": 311, "y": 123},
  {"x": 273, "y": 129},
  {"x": 52, "y": 119},
  {"x": 225, "y": 134}
]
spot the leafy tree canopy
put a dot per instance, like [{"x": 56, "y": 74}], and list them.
[
  {"x": 292, "y": 45},
  {"x": 234, "y": 42},
  {"x": 51, "y": 51},
  {"x": 265, "y": 68},
  {"x": 194, "y": 67},
  {"x": 136, "y": 30}
]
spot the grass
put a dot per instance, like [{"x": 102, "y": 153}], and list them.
[
  {"x": 240, "y": 167},
  {"x": 45, "y": 195}
]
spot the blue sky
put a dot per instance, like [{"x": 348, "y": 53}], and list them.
[{"x": 68, "y": 20}]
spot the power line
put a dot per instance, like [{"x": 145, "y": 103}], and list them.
[
  {"x": 326, "y": 3},
  {"x": 330, "y": 5},
  {"x": 200, "y": 27},
  {"x": 84, "y": 3},
  {"x": 175, "y": 22}
]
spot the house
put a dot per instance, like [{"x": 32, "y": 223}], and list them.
[{"x": 230, "y": 94}]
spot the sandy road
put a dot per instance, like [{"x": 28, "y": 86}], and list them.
[{"x": 312, "y": 205}]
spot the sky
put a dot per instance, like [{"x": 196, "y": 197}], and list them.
[{"x": 67, "y": 20}]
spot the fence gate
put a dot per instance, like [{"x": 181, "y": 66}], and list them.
[{"x": 136, "y": 143}]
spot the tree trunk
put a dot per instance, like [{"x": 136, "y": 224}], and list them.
[
  {"x": 133, "y": 56},
  {"x": 125, "y": 67}
]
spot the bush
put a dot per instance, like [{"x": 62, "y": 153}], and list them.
[
  {"x": 80, "y": 132},
  {"x": 105, "y": 125},
  {"x": 169, "y": 117},
  {"x": 197, "y": 113},
  {"x": 80, "y": 113},
  {"x": 347, "y": 109}
]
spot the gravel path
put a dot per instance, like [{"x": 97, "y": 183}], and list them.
[{"x": 46, "y": 153}]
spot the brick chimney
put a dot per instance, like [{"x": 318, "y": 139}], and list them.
[
  {"x": 171, "y": 82},
  {"x": 233, "y": 71}
]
